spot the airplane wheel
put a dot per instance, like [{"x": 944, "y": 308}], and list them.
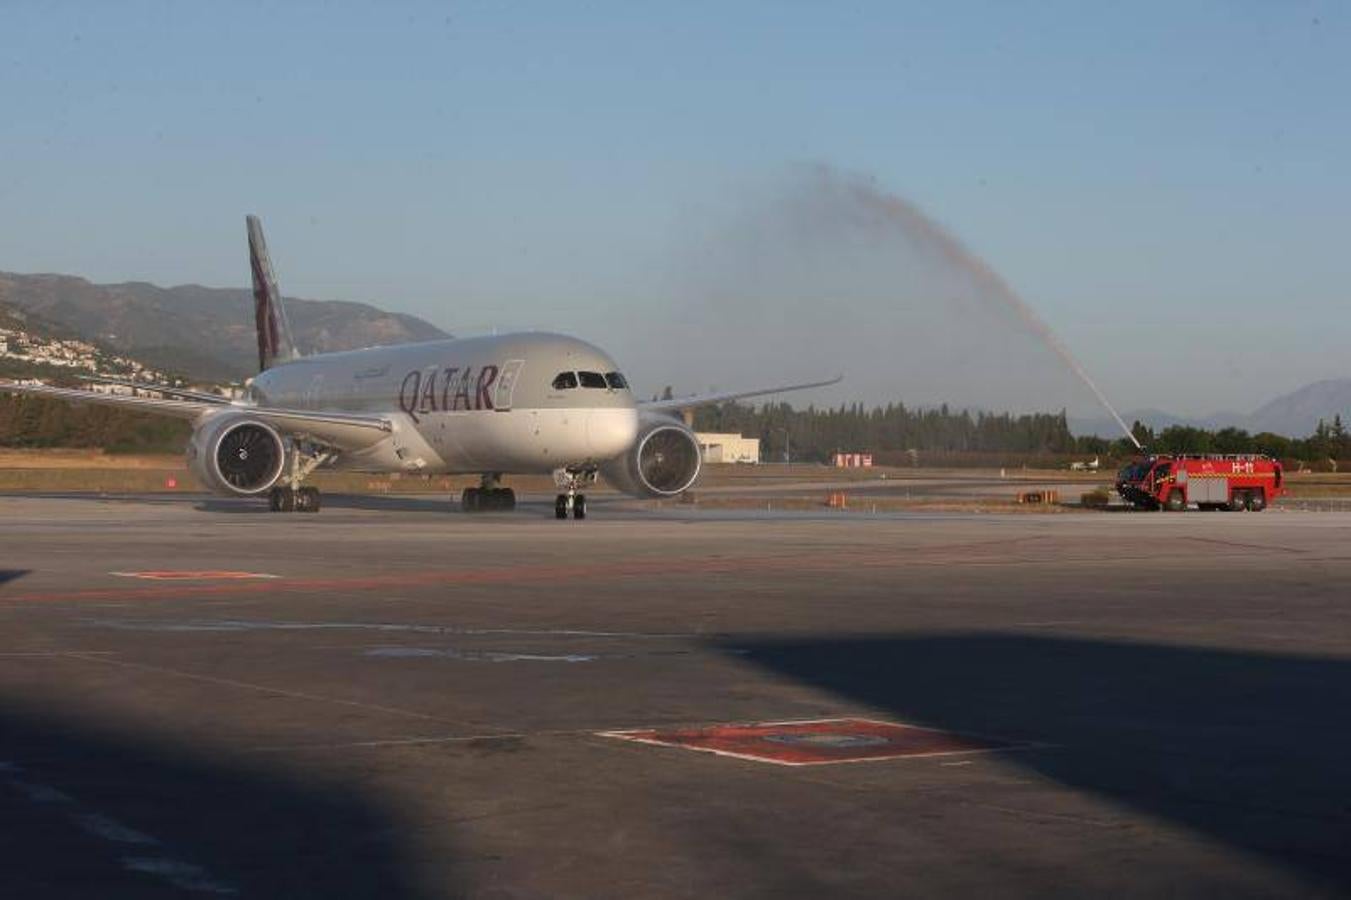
[
  {"x": 471, "y": 500},
  {"x": 579, "y": 506},
  {"x": 506, "y": 499},
  {"x": 561, "y": 506},
  {"x": 282, "y": 500},
  {"x": 307, "y": 500}
]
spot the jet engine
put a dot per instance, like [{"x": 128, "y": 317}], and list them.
[
  {"x": 237, "y": 454},
  {"x": 664, "y": 460}
]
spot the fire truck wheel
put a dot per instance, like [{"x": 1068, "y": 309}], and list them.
[
  {"x": 1257, "y": 501},
  {"x": 1175, "y": 501},
  {"x": 1239, "y": 501}
]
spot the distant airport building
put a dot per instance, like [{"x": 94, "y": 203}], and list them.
[
  {"x": 728, "y": 448},
  {"x": 853, "y": 460}
]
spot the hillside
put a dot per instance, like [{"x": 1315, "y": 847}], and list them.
[
  {"x": 1295, "y": 414},
  {"x": 200, "y": 331},
  {"x": 1298, "y": 412}
]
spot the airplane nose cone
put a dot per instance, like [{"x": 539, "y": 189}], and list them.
[{"x": 610, "y": 432}]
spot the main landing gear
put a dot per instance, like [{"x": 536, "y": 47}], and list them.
[
  {"x": 572, "y": 500},
  {"x": 489, "y": 496},
  {"x": 287, "y": 499},
  {"x": 288, "y": 495}
]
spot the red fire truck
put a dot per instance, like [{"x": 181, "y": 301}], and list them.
[{"x": 1208, "y": 481}]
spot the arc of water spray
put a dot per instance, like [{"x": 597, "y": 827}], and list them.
[{"x": 919, "y": 227}]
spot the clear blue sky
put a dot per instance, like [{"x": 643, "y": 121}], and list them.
[{"x": 1169, "y": 184}]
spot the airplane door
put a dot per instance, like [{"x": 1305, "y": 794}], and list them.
[{"x": 506, "y": 384}]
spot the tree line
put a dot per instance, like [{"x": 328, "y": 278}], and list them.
[
  {"x": 1328, "y": 447},
  {"x": 895, "y": 434},
  {"x": 814, "y": 434}
]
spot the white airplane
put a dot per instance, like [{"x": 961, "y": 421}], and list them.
[{"x": 511, "y": 404}]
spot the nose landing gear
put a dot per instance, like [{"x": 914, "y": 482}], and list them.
[{"x": 572, "y": 500}]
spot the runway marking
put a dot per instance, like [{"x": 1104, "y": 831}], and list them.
[
  {"x": 474, "y": 655},
  {"x": 518, "y": 574},
  {"x": 264, "y": 625},
  {"x": 40, "y": 654},
  {"x": 590, "y": 732},
  {"x": 280, "y": 692},
  {"x": 837, "y": 560},
  {"x": 814, "y": 742},
  {"x": 407, "y": 742},
  {"x": 205, "y": 575},
  {"x": 1242, "y": 546},
  {"x": 176, "y": 872}
]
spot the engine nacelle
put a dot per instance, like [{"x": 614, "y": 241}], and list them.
[
  {"x": 235, "y": 453},
  {"x": 663, "y": 462}
]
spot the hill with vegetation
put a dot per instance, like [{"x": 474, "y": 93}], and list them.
[{"x": 205, "y": 333}]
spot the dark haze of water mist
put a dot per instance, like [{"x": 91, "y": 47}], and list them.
[{"x": 825, "y": 272}]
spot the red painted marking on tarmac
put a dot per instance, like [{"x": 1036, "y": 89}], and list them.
[
  {"x": 498, "y": 575},
  {"x": 816, "y": 742},
  {"x": 207, "y": 575},
  {"x": 527, "y": 574}
]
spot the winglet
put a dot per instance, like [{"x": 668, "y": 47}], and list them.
[{"x": 274, "y": 331}]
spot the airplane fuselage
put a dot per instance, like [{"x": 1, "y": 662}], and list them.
[{"x": 517, "y": 403}]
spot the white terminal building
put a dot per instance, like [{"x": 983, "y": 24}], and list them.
[{"x": 728, "y": 448}]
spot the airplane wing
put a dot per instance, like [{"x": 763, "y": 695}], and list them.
[
  {"x": 341, "y": 431},
  {"x": 693, "y": 400},
  {"x": 166, "y": 390}
]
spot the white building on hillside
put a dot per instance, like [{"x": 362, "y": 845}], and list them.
[{"x": 728, "y": 448}]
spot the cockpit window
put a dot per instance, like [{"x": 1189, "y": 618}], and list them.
[
  {"x": 616, "y": 381},
  {"x": 592, "y": 380},
  {"x": 565, "y": 381}
]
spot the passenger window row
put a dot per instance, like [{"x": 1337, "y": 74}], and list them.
[{"x": 566, "y": 381}]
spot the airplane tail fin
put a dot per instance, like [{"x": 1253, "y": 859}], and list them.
[{"x": 274, "y": 331}]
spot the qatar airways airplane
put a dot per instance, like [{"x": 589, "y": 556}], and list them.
[{"x": 511, "y": 404}]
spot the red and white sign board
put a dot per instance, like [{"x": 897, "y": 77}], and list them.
[{"x": 816, "y": 742}]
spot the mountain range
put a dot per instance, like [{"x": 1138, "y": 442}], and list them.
[
  {"x": 206, "y": 333},
  {"x": 1295, "y": 414}
]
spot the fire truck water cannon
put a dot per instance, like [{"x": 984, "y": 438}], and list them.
[{"x": 1234, "y": 481}]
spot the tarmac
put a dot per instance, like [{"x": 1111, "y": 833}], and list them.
[{"x": 395, "y": 699}]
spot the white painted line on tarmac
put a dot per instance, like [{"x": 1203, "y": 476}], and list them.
[
  {"x": 474, "y": 656},
  {"x": 176, "y": 872},
  {"x": 266, "y": 625},
  {"x": 179, "y": 874}
]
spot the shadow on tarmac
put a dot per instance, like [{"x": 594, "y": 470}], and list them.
[
  {"x": 8, "y": 575},
  {"x": 251, "y": 507},
  {"x": 1249, "y": 748},
  {"x": 85, "y": 812}
]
